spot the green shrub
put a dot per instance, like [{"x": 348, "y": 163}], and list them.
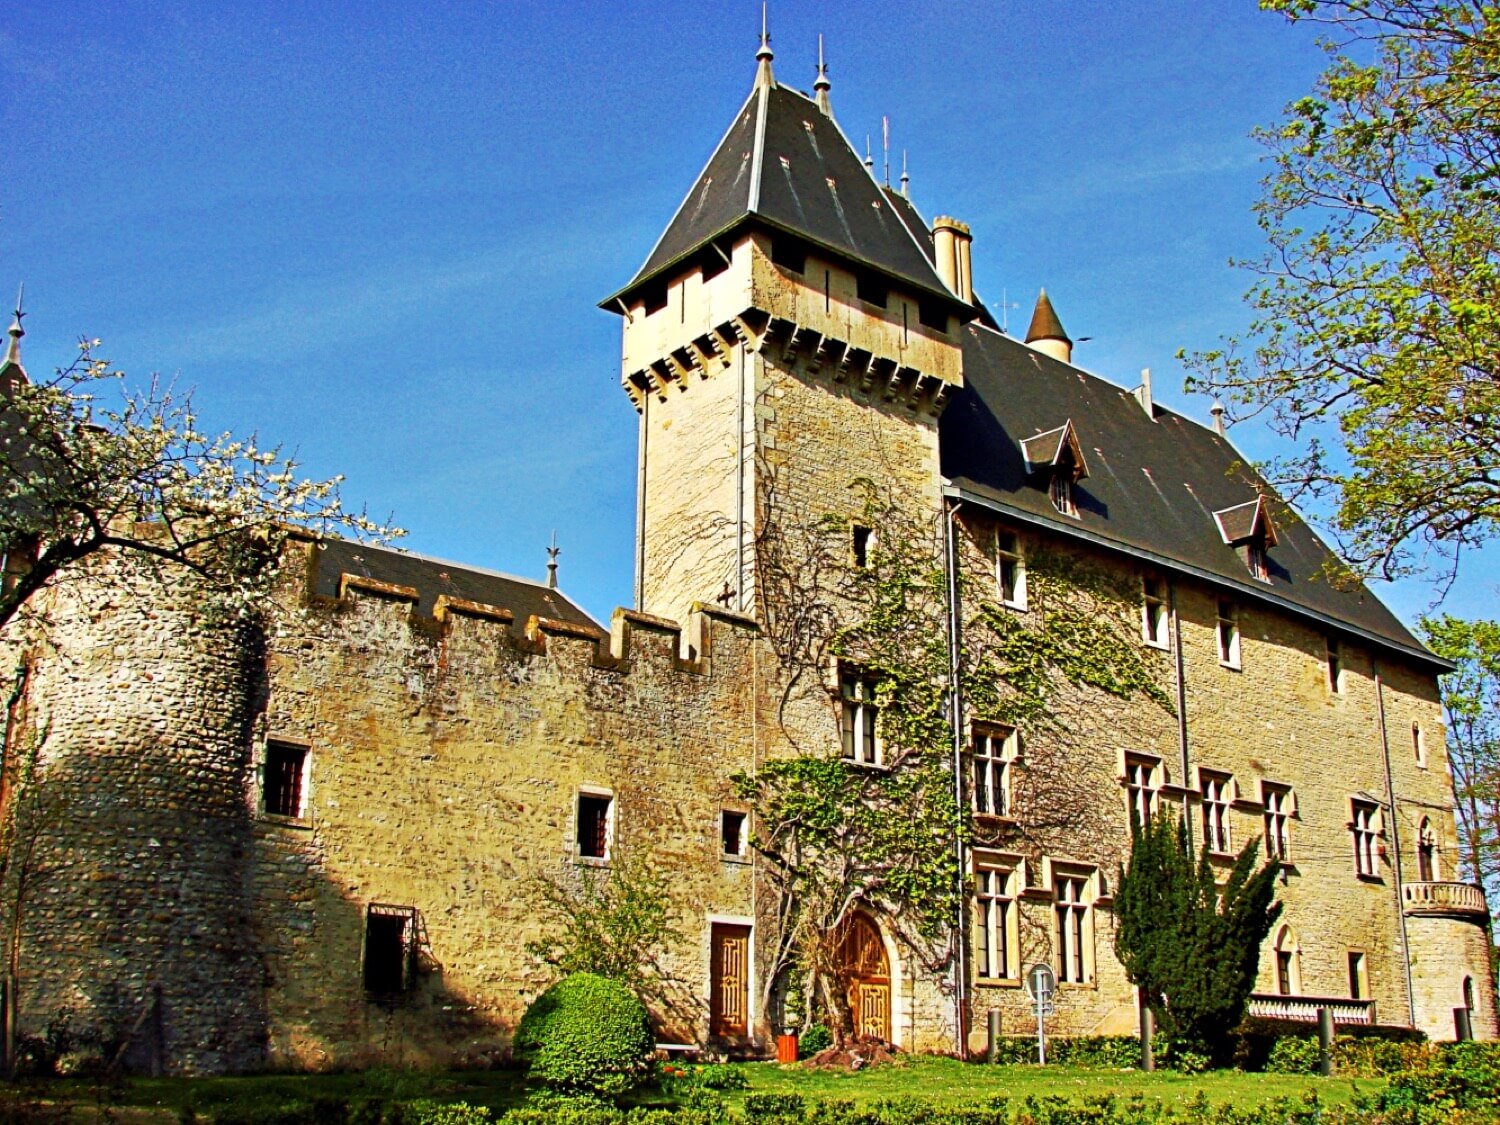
[
  {"x": 718, "y": 1076},
  {"x": 774, "y": 1107},
  {"x": 1293, "y": 1054},
  {"x": 816, "y": 1038},
  {"x": 456, "y": 1113},
  {"x": 586, "y": 1035}
]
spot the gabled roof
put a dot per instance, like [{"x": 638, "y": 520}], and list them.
[
  {"x": 786, "y": 165},
  {"x": 1054, "y": 449},
  {"x": 1247, "y": 521},
  {"x": 1155, "y": 487}
]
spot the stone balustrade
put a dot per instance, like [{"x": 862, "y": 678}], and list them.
[
  {"x": 1304, "y": 1009},
  {"x": 1463, "y": 899}
]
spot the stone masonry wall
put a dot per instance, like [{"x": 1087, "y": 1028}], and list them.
[
  {"x": 133, "y": 851},
  {"x": 446, "y": 761}
]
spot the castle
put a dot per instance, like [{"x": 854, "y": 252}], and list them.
[{"x": 308, "y": 844}]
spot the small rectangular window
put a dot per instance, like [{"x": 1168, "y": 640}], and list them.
[
  {"x": 1278, "y": 813},
  {"x": 1229, "y": 635},
  {"x": 1335, "y": 666},
  {"x": 281, "y": 784},
  {"x": 732, "y": 832},
  {"x": 1359, "y": 988},
  {"x": 1140, "y": 789},
  {"x": 871, "y": 288},
  {"x": 1010, "y": 570},
  {"x": 714, "y": 262},
  {"x": 1256, "y": 560},
  {"x": 654, "y": 298},
  {"x": 389, "y": 946},
  {"x": 859, "y": 719},
  {"x": 1071, "y": 908},
  {"x": 1364, "y": 827},
  {"x": 1419, "y": 745},
  {"x": 933, "y": 315},
  {"x": 594, "y": 825},
  {"x": 862, "y": 540},
  {"x": 789, "y": 253},
  {"x": 1154, "y": 611}
]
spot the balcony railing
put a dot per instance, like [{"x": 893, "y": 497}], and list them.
[
  {"x": 1457, "y": 899},
  {"x": 1305, "y": 1008}
]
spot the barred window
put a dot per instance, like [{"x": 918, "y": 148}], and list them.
[
  {"x": 390, "y": 947},
  {"x": 1278, "y": 811},
  {"x": 993, "y": 750},
  {"x": 282, "y": 779},
  {"x": 595, "y": 824},
  {"x": 1216, "y": 797}
]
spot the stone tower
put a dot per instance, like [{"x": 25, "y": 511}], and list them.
[{"x": 793, "y": 331}]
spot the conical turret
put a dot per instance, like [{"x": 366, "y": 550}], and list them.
[{"x": 1046, "y": 333}]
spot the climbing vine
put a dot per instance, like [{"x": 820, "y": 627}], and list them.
[{"x": 840, "y": 836}]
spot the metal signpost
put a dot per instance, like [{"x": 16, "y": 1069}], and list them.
[{"x": 1041, "y": 987}]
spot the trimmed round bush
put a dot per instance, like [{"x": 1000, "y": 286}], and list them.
[{"x": 586, "y": 1034}]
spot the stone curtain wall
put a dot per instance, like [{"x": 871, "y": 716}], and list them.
[{"x": 446, "y": 760}]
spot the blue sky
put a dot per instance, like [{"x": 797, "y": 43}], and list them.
[{"x": 376, "y": 232}]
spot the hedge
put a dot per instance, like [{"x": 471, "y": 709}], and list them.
[{"x": 586, "y": 1035}]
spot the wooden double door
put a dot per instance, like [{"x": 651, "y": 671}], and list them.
[{"x": 867, "y": 978}]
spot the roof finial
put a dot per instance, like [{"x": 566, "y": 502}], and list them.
[
  {"x": 1217, "y": 410},
  {"x": 905, "y": 179},
  {"x": 885, "y": 141},
  {"x": 552, "y": 552},
  {"x": 763, "y": 75},
  {"x": 869, "y": 160},
  {"x": 13, "y": 349},
  {"x": 821, "y": 85}
]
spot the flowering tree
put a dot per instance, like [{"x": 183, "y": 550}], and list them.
[{"x": 89, "y": 465}]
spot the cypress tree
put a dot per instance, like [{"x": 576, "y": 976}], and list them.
[{"x": 1190, "y": 944}]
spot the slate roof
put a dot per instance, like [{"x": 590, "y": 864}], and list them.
[
  {"x": 433, "y": 577},
  {"x": 1153, "y": 488},
  {"x": 786, "y": 165}
]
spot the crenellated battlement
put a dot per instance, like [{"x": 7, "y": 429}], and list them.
[{"x": 635, "y": 644}]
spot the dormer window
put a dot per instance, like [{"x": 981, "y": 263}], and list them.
[
  {"x": 1248, "y": 529},
  {"x": 1057, "y": 456}
]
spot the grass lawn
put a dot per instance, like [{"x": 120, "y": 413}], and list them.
[
  {"x": 935, "y": 1079},
  {"x": 947, "y": 1080}
]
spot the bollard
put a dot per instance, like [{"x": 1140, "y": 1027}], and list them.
[
  {"x": 1325, "y": 1041},
  {"x": 1148, "y": 1029},
  {"x": 992, "y": 1048},
  {"x": 1463, "y": 1027}
]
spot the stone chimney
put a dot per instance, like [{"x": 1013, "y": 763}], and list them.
[
  {"x": 1143, "y": 394},
  {"x": 950, "y": 243},
  {"x": 1046, "y": 333}
]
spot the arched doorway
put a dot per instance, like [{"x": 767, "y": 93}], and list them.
[{"x": 867, "y": 977}]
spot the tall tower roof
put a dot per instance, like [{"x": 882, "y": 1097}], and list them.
[
  {"x": 1044, "y": 322},
  {"x": 10, "y": 363},
  {"x": 784, "y": 164}
]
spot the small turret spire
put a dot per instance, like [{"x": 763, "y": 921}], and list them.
[
  {"x": 821, "y": 85},
  {"x": 552, "y": 552},
  {"x": 869, "y": 160},
  {"x": 763, "y": 75},
  {"x": 905, "y": 179},
  {"x": 13, "y": 348},
  {"x": 1046, "y": 332}
]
